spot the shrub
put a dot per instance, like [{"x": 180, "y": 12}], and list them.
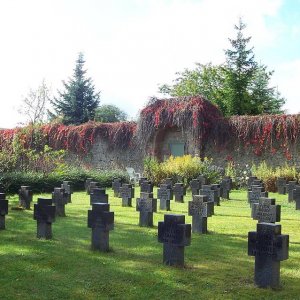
[
  {"x": 41, "y": 182},
  {"x": 182, "y": 168}
]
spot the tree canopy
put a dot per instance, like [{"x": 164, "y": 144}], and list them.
[
  {"x": 78, "y": 102},
  {"x": 239, "y": 86},
  {"x": 109, "y": 113}
]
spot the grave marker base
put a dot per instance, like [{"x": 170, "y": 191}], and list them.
[
  {"x": 267, "y": 272},
  {"x": 60, "y": 211},
  {"x": 146, "y": 219},
  {"x": 44, "y": 230},
  {"x": 100, "y": 239},
  {"x": 173, "y": 255},
  {"x": 2, "y": 222},
  {"x": 164, "y": 204},
  {"x": 199, "y": 224},
  {"x": 126, "y": 202}
]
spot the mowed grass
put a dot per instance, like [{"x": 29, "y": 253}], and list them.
[{"x": 217, "y": 264}]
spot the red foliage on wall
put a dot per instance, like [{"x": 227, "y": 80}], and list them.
[{"x": 78, "y": 139}]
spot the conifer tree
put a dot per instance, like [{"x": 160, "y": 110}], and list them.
[{"x": 78, "y": 102}]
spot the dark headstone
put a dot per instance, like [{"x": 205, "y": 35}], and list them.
[
  {"x": 203, "y": 180},
  {"x": 67, "y": 186},
  {"x": 266, "y": 211},
  {"x": 225, "y": 185},
  {"x": 142, "y": 179},
  {"x": 116, "y": 184},
  {"x": 217, "y": 187},
  {"x": 101, "y": 220},
  {"x": 92, "y": 185},
  {"x": 256, "y": 193},
  {"x": 164, "y": 194},
  {"x": 281, "y": 185},
  {"x": 195, "y": 186},
  {"x": 98, "y": 195},
  {"x": 3, "y": 210},
  {"x": 147, "y": 187},
  {"x": 25, "y": 196},
  {"x": 290, "y": 186},
  {"x": 126, "y": 193},
  {"x": 296, "y": 196},
  {"x": 211, "y": 194},
  {"x": 60, "y": 199},
  {"x": 44, "y": 214},
  {"x": 169, "y": 183},
  {"x": 146, "y": 207},
  {"x": 179, "y": 191},
  {"x": 200, "y": 210},
  {"x": 269, "y": 247},
  {"x": 175, "y": 235}
]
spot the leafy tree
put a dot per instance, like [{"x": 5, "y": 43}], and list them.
[
  {"x": 239, "y": 86},
  {"x": 78, "y": 102},
  {"x": 33, "y": 106},
  {"x": 109, "y": 113}
]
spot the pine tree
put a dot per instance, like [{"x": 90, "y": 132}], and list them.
[
  {"x": 78, "y": 102},
  {"x": 240, "y": 69}
]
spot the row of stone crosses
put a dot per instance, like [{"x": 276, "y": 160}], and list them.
[{"x": 267, "y": 244}]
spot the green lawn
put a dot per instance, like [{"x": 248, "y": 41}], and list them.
[{"x": 217, "y": 265}]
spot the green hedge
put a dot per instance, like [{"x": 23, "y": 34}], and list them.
[{"x": 45, "y": 183}]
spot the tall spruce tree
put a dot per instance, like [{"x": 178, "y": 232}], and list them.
[{"x": 78, "y": 102}]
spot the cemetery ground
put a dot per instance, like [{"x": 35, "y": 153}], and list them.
[{"x": 217, "y": 264}]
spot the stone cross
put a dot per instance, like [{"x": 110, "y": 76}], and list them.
[
  {"x": 60, "y": 199},
  {"x": 195, "y": 185},
  {"x": 202, "y": 179},
  {"x": 98, "y": 195},
  {"x": 101, "y": 220},
  {"x": 296, "y": 195},
  {"x": 290, "y": 186},
  {"x": 200, "y": 210},
  {"x": 87, "y": 184},
  {"x": 266, "y": 211},
  {"x": 164, "y": 194},
  {"x": 179, "y": 191},
  {"x": 142, "y": 179},
  {"x": 169, "y": 183},
  {"x": 211, "y": 194},
  {"x": 67, "y": 186},
  {"x": 225, "y": 185},
  {"x": 127, "y": 193},
  {"x": 147, "y": 186},
  {"x": 3, "y": 210},
  {"x": 25, "y": 196},
  {"x": 250, "y": 181},
  {"x": 116, "y": 184},
  {"x": 218, "y": 188},
  {"x": 146, "y": 207},
  {"x": 44, "y": 214},
  {"x": 175, "y": 235},
  {"x": 281, "y": 185},
  {"x": 269, "y": 247},
  {"x": 255, "y": 194}
]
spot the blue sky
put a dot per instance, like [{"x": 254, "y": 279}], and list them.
[{"x": 131, "y": 46}]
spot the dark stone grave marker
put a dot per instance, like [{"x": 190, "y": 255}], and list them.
[
  {"x": 127, "y": 193},
  {"x": 255, "y": 194},
  {"x": 92, "y": 185},
  {"x": 147, "y": 187},
  {"x": 44, "y": 214},
  {"x": 169, "y": 183},
  {"x": 67, "y": 186},
  {"x": 116, "y": 184},
  {"x": 98, "y": 195},
  {"x": 146, "y": 207},
  {"x": 266, "y": 211},
  {"x": 290, "y": 186},
  {"x": 25, "y": 196},
  {"x": 175, "y": 235},
  {"x": 142, "y": 179},
  {"x": 179, "y": 191},
  {"x": 211, "y": 194},
  {"x": 217, "y": 187},
  {"x": 296, "y": 195},
  {"x": 203, "y": 180},
  {"x": 200, "y": 210},
  {"x": 164, "y": 194},
  {"x": 60, "y": 199},
  {"x": 87, "y": 184},
  {"x": 101, "y": 220},
  {"x": 3, "y": 210},
  {"x": 195, "y": 185},
  {"x": 225, "y": 185},
  {"x": 250, "y": 181},
  {"x": 281, "y": 185},
  {"x": 269, "y": 247}
]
